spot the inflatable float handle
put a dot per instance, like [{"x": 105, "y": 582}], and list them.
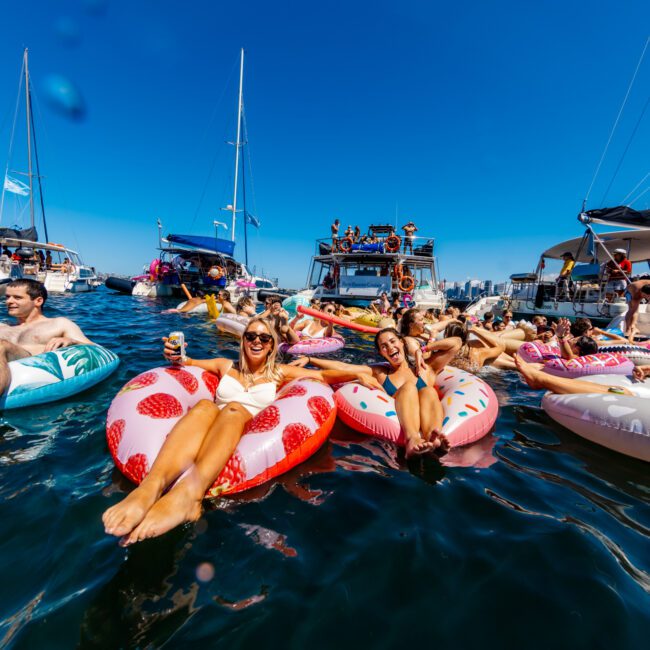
[{"x": 185, "y": 291}]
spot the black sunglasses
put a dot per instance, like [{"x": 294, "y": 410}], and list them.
[{"x": 252, "y": 336}]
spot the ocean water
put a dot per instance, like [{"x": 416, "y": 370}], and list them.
[{"x": 542, "y": 541}]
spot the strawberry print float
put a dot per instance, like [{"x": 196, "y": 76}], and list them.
[{"x": 281, "y": 436}]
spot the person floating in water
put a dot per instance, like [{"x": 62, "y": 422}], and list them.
[{"x": 33, "y": 333}]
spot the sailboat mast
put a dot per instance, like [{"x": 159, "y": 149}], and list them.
[
  {"x": 29, "y": 137},
  {"x": 237, "y": 143}
]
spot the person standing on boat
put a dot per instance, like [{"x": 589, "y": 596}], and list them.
[
  {"x": 634, "y": 294},
  {"x": 335, "y": 235},
  {"x": 357, "y": 234},
  {"x": 33, "y": 333},
  {"x": 409, "y": 234},
  {"x": 618, "y": 272},
  {"x": 563, "y": 279},
  {"x": 48, "y": 260}
]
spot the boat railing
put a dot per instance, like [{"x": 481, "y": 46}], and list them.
[{"x": 417, "y": 246}]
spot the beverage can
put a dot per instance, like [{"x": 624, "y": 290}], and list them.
[{"x": 177, "y": 340}]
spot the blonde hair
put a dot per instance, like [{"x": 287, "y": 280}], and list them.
[{"x": 271, "y": 370}]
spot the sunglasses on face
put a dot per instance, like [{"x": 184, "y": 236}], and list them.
[{"x": 252, "y": 336}]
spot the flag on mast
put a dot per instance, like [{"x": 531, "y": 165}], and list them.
[
  {"x": 253, "y": 221},
  {"x": 15, "y": 186}
]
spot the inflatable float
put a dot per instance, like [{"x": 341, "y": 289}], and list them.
[
  {"x": 639, "y": 355},
  {"x": 601, "y": 363},
  {"x": 469, "y": 405},
  {"x": 232, "y": 323},
  {"x": 56, "y": 375},
  {"x": 534, "y": 352},
  {"x": 617, "y": 422},
  {"x": 330, "y": 318},
  {"x": 313, "y": 347},
  {"x": 277, "y": 439}
]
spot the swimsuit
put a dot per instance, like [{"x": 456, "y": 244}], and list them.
[
  {"x": 628, "y": 297},
  {"x": 390, "y": 388},
  {"x": 253, "y": 399}
]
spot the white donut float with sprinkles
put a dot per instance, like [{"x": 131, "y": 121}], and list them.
[{"x": 469, "y": 406}]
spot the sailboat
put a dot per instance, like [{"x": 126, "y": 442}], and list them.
[
  {"x": 59, "y": 268},
  {"x": 201, "y": 262}
]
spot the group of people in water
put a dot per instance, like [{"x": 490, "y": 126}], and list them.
[{"x": 413, "y": 345}]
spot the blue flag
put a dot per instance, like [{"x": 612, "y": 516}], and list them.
[{"x": 253, "y": 221}]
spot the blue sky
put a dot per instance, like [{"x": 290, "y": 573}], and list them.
[{"x": 482, "y": 122}]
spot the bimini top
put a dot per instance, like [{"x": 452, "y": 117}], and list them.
[
  {"x": 636, "y": 241},
  {"x": 204, "y": 244},
  {"x": 621, "y": 215}
]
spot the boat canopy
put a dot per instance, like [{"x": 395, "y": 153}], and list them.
[
  {"x": 637, "y": 242},
  {"x": 212, "y": 244},
  {"x": 28, "y": 234},
  {"x": 621, "y": 215}
]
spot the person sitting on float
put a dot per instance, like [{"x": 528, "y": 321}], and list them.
[
  {"x": 245, "y": 306},
  {"x": 191, "y": 303},
  {"x": 33, "y": 333},
  {"x": 202, "y": 441},
  {"x": 488, "y": 319},
  {"x": 634, "y": 294},
  {"x": 483, "y": 350},
  {"x": 617, "y": 271},
  {"x": 223, "y": 298},
  {"x": 540, "y": 380},
  {"x": 278, "y": 317},
  {"x": 412, "y": 385},
  {"x": 317, "y": 329}
]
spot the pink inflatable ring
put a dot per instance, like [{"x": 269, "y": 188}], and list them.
[
  {"x": 312, "y": 347},
  {"x": 534, "y": 352},
  {"x": 601, "y": 363},
  {"x": 277, "y": 439},
  {"x": 469, "y": 405}
]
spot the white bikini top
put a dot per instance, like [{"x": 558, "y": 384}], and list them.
[{"x": 254, "y": 398}]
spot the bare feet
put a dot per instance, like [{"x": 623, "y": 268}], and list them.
[
  {"x": 528, "y": 372},
  {"x": 418, "y": 446},
  {"x": 122, "y": 518},
  {"x": 178, "y": 506}
]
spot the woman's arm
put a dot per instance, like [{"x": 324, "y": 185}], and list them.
[
  {"x": 330, "y": 364},
  {"x": 362, "y": 374},
  {"x": 609, "y": 337}
]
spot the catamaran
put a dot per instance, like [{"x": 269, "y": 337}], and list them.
[
  {"x": 59, "y": 268},
  {"x": 194, "y": 262}
]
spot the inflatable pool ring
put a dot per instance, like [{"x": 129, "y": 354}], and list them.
[
  {"x": 535, "y": 352},
  {"x": 469, "y": 405},
  {"x": 637, "y": 354},
  {"x": 201, "y": 308},
  {"x": 153, "y": 269},
  {"x": 370, "y": 319},
  {"x": 406, "y": 283},
  {"x": 348, "y": 244},
  {"x": 330, "y": 318},
  {"x": 216, "y": 272},
  {"x": 392, "y": 244},
  {"x": 280, "y": 437},
  {"x": 292, "y": 302},
  {"x": 233, "y": 324},
  {"x": 313, "y": 347},
  {"x": 601, "y": 363},
  {"x": 56, "y": 375},
  {"x": 617, "y": 422}
]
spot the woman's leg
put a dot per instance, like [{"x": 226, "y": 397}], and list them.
[
  {"x": 408, "y": 413},
  {"x": 541, "y": 380},
  {"x": 183, "y": 502},
  {"x": 178, "y": 452},
  {"x": 431, "y": 416},
  {"x": 510, "y": 345}
]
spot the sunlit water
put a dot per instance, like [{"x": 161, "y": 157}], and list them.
[{"x": 544, "y": 546}]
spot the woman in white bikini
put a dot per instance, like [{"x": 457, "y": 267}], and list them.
[
  {"x": 205, "y": 438},
  {"x": 318, "y": 329}
]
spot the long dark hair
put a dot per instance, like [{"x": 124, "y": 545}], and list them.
[{"x": 407, "y": 320}]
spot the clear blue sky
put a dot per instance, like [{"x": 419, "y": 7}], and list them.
[{"x": 483, "y": 122}]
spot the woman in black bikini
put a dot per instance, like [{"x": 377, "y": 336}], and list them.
[{"x": 416, "y": 401}]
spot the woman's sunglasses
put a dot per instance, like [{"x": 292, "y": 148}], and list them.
[{"x": 252, "y": 336}]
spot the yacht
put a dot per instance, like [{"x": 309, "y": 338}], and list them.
[{"x": 356, "y": 273}]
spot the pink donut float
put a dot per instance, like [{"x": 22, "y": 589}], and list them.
[
  {"x": 469, "y": 405},
  {"x": 313, "y": 347},
  {"x": 601, "y": 363},
  {"x": 534, "y": 352},
  {"x": 277, "y": 439}
]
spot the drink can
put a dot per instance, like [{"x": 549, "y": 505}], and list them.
[{"x": 177, "y": 340}]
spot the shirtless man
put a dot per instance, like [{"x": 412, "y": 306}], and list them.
[
  {"x": 634, "y": 294},
  {"x": 409, "y": 232},
  {"x": 33, "y": 333},
  {"x": 335, "y": 235}
]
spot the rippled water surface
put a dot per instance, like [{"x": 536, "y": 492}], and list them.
[{"x": 542, "y": 541}]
